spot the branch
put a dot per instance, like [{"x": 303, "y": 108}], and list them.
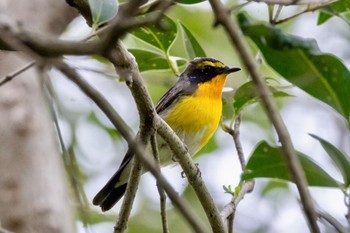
[
  {"x": 11, "y": 76},
  {"x": 68, "y": 156},
  {"x": 230, "y": 25},
  {"x": 295, "y": 2},
  {"x": 347, "y": 204},
  {"x": 129, "y": 196},
  {"x": 229, "y": 211},
  {"x": 332, "y": 221},
  {"x": 161, "y": 192},
  {"x": 230, "y": 208},
  {"x": 235, "y": 132},
  {"x": 193, "y": 175},
  {"x": 42, "y": 43},
  {"x": 121, "y": 126},
  {"x": 51, "y": 47}
]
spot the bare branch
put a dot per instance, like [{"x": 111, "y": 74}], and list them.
[
  {"x": 223, "y": 17},
  {"x": 295, "y": 2},
  {"x": 332, "y": 221},
  {"x": 42, "y": 43},
  {"x": 193, "y": 175},
  {"x": 161, "y": 192},
  {"x": 129, "y": 197},
  {"x": 69, "y": 159},
  {"x": 11, "y": 76},
  {"x": 228, "y": 213},
  {"x": 347, "y": 204},
  {"x": 235, "y": 135}
]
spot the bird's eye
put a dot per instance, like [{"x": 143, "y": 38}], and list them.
[{"x": 206, "y": 68}]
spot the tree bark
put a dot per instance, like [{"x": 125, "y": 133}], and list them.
[{"x": 33, "y": 188}]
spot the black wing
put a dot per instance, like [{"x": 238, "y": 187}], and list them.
[{"x": 181, "y": 88}]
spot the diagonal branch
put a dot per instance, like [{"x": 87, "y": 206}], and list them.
[
  {"x": 234, "y": 33},
  {"x": 295, "y": 2}
]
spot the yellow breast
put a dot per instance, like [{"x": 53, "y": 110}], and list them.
[{"x": 195, "y": 118}]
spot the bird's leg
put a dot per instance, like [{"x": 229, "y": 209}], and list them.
[{"x": 198, "y": 173}]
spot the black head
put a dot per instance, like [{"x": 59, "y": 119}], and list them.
[{"x": 204, "y": 69}]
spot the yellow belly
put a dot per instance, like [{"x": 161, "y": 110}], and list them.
[{"x": 195, "y": 118}]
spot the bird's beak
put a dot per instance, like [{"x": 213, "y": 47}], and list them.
[{"x": 232, "y": 70}]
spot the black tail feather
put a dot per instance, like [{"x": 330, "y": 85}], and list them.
[
  {"x": 113, "y": 197},
  {"x": 110, "y": 194}
]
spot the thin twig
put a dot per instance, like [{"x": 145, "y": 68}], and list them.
[
  {"x": 295, "y": 2},
  {"x": 347, "y": 204},
  {"x": 11, "y": 76},
  {"x": 238, "y": 144},
  {"x": 245, "y": 187},
  {"x": 161, "y": 192},
  {"x": 275, "y": 21},
  {"x": 332, "y": 221},
  {"x": 124, "y": 130},
  {"x": 224, "y": 18},
  {"x": 69, "y": 163},
  {"x": 129, "y": 197},
  {"x": 230, "y": 208}
]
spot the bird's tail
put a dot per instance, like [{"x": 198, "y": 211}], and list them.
[{"x": 111, "y": 193}]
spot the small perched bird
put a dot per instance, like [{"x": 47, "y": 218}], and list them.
[{"x": 192, "y": 108}]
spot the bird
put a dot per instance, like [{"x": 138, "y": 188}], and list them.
[{"x": 192, "y": 107}]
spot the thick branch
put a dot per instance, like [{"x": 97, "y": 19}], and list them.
[
  {"x": 44, "y": 44},
  {"x": 193, "y": 175},
  {"x": 293, "y": 163}
]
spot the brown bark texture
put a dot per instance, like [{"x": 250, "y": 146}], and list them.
[{"x": 33, "y": 187}]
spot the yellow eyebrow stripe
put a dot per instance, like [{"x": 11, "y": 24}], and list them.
[{"x": 209, "y": 63}]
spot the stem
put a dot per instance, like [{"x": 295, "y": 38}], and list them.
[
  {"x": 11, "y": 76},
  {"x": 161, "y": 192}
]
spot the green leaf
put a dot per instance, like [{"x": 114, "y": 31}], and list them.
[
  {"x": 341, "y": 160},
  {"x": 246, "y": 95},
  {"x": 161, "y": 38},
  {"x": 267, "y": 161},
  {"x": 273, "y": 185},
  {"x": 148, "y": 60},
  {"x": 102, "y": 11},
  {"x": 192, "y": 46},
  {"x": 189, "y": 1},
  {"x": 338, "y": 8},
  {"x": 324, "y": 16},
  {"x": 301, "y": 62}
]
